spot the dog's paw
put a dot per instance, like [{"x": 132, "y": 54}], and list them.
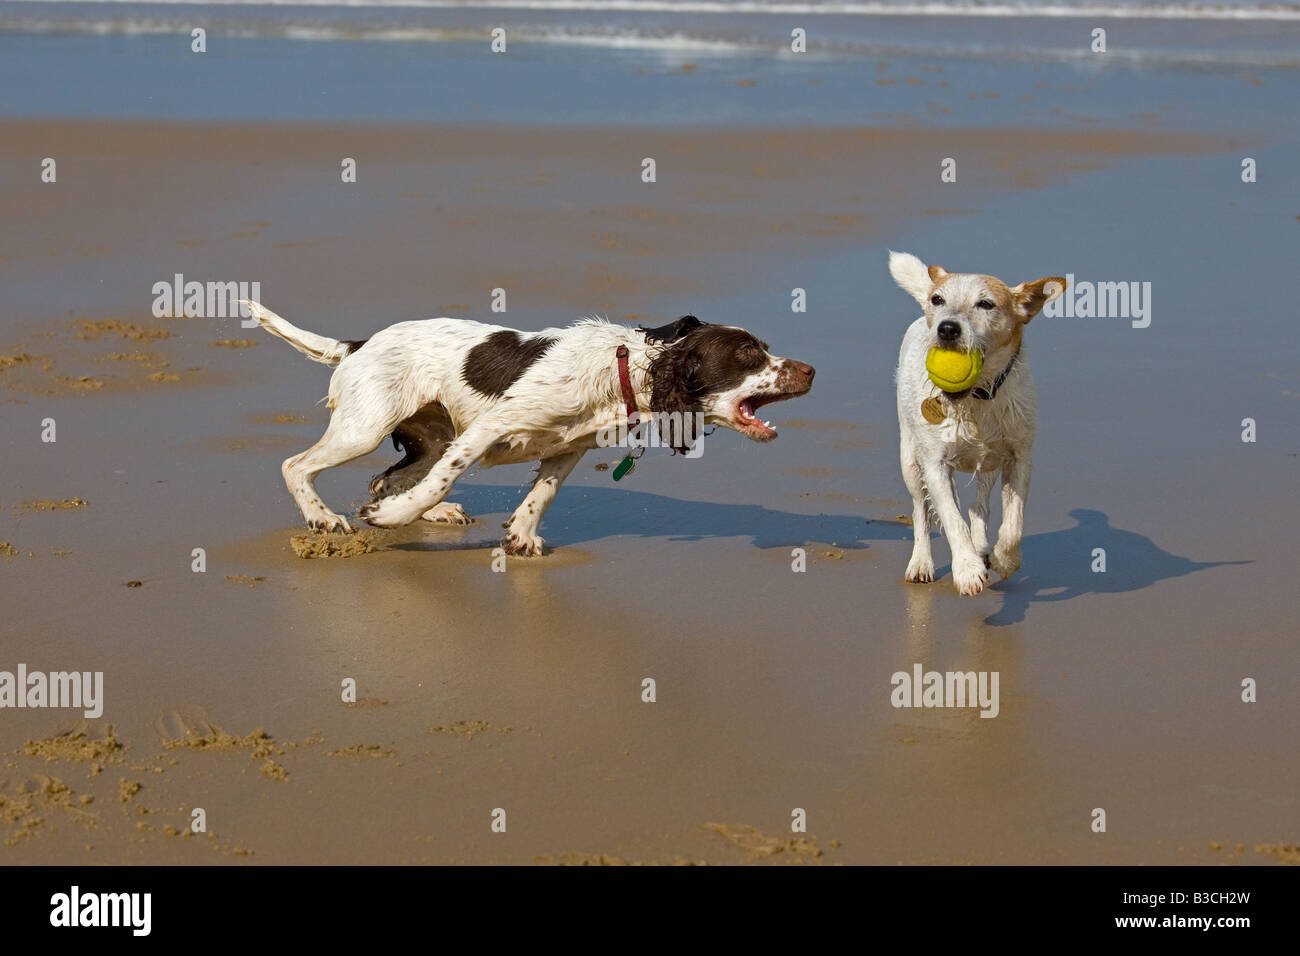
[
  {"x": 969, "y": 575},
  {"x": 329, "y": 523},
  {"x": 920, "y": 570},
  {"x": 388, "y": 513},
  {"x": 522, "y": 545},
  {"x": 447, "y": 512},
  {"x": 392, "y": 483},
  {"x": 1006, "y": 561}
]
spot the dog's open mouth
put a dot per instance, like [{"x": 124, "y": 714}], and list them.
[{"x": 746, "y": 419}]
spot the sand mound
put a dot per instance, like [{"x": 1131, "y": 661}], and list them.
[
  {"x": 76, "y": 745},
  {"x": 756, "y": 844},
  {"x": 52, "y": 504},
  {"x": 27, "y": 811},
  {"x": 1286, "y": 854},
  {"x": 469, "y": 728},
  {"x": 332, "y": 545},
  {"x": 82, "y": 383},
  {"x": 213, "y": 738},
  {"x": 362, "y": 750},
  {"x": 248, "y": 580},
  {"x": 94, "y": 329},
  {"x": 604, "y": 859}
]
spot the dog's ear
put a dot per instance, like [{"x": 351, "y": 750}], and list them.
[
  {"x": 911, "y": 275},
  {"x": 1028, "y": 298},
  {"x": 672, "y": 382},
  {"x": 672, "y": 331}
]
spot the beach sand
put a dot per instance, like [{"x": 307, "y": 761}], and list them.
[{"x": 479, "y": 691}]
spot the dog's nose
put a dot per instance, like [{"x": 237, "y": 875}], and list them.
[
  {"x": 949, "y": 331},
  {"x": 807, "y": 371}
]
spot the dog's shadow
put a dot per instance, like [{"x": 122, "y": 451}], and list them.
[
  {"x": 1059, "y": 566},
  {"x": 587, "y": 513}
]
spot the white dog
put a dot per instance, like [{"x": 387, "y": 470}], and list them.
[
  {"x": 452, "y": 392},
  {"x": 987, "y": 428}
]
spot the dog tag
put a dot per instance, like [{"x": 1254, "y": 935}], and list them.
[
  {"x": 624, "y": 467},
  {"x": 932, "y": 410}
]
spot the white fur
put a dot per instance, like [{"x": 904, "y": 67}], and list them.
[
  {"x": 989, "y": 438},
  {"x": 551, "y": 414}
]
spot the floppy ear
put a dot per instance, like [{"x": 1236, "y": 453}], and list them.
[
  {"x": 1028, "y": 298},
  {"x": 911, "y": 275},
  {"x": 672, "y": 331},
  {"x": 672, "y": 382}
]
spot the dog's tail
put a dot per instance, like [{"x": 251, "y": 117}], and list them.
[{"x": 318, "y": 348}]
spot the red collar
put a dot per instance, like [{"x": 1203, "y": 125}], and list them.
[{"x": 625, "y": 382}]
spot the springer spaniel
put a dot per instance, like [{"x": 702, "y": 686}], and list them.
[{"x": 452, "y": 392}]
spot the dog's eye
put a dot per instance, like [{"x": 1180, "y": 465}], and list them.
[
  {"x": 984, "y": 304},
  {"x": 936, "y": 299}
]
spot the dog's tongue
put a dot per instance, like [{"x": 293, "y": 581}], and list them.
[{"x": 746, "y": 408}]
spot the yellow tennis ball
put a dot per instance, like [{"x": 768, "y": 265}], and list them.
[{"x": 954, "y": 371}]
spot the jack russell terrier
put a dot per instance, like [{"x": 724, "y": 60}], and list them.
[{"x": 966, "y": 403}]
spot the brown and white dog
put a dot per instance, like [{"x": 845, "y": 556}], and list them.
[
  {"x": 987, "y": 429},
  {"x": 453, "y": 393}
]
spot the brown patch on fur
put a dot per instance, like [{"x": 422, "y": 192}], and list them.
[
  {"x": 1014, "y": 340},
  {"x": 707, "y": 359},
  {"x": 1030, "y": 297},
  {"x": 501, "y": 359}
]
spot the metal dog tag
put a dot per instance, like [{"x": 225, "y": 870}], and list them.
[{"x": 932, "y": 410}]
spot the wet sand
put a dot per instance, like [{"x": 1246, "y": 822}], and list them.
[{"x": 522, "y": 690}]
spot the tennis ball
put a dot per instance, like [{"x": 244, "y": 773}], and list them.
[{"x": 954, "y": 371}]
